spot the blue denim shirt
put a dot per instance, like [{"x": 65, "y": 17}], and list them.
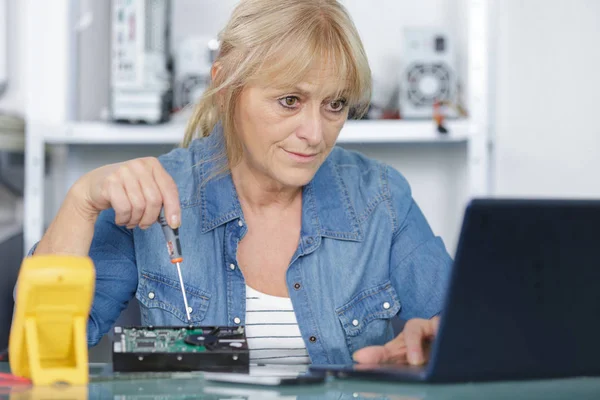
[{"x": 366, "y": 255}]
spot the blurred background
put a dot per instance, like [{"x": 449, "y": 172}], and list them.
[{"x": 471, "y": 98}]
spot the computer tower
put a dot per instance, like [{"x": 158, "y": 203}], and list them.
[
  {"x": 428, "y": 73},
  {"x": 194, "y": 56},
  {"x": 141, "y": 78}
]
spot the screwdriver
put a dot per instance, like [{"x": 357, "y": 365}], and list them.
[{"x": 174, "y": 248}]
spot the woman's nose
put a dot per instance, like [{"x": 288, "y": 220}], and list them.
[{"x": 312, "y": 127}]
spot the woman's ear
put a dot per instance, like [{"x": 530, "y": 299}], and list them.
[{"x": 215, "y": 69}]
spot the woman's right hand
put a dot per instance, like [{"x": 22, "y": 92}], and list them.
[{"x": 135, "y": 189}]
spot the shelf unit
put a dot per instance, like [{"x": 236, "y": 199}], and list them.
[
  {"x": 364, "y": 131},
  {"x": 52, "y": 42}
]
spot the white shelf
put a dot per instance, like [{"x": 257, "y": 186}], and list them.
[
  {"x": 386, "y": 131},
  {"x": 403, "y": 131}
]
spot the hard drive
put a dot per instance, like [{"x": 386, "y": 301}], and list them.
[{"x": 192, "y": 348}]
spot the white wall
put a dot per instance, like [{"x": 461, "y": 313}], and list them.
[
  {"x": 381, "y": 22},
  {"x": 438, "y": 174},
  {"x": 548, "y": 125},
  {"x": 13, "y": 99},
  {"x": 547, "y": 136}
]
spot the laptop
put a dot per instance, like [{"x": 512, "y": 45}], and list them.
[{"x": 523, "y": 300}]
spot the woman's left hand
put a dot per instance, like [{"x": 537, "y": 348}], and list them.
[{"x": 411, "y": 346}]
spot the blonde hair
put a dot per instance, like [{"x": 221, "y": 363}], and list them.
[{"x": 280, "y": 41}]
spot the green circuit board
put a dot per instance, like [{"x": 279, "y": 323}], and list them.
[
  {"x": 136, "y": 340},
  {"x": 142, "y": 349}
]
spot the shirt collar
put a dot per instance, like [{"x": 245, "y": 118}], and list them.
[{"x": 326, "y": 207}]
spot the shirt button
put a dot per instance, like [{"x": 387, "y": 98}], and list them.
[
  {"x": 312, "y": 339},
  {"x": 240, "y": 223},
  {"x": 355, "y": 322},
  {"x": 151, "y": 295},
  {"x": 386, "y": 305},
  {"x": 237, "y": 320},
  {"x": 190, "y": 309},
  {"x": 297, "y": 286},
  {"x": 309, "y": 240},
  {"x": 232, "y": 266}
]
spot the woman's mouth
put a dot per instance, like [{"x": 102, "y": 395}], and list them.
[{"x": 300, "y": 156}]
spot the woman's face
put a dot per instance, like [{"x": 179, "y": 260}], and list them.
[{"x": 286, "y": 133}]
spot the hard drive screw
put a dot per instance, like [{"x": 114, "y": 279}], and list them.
[
  {"x": 179, "y": 358},
  {"x": 235, "y": 358},
  {"x": 140, "y": 358}
]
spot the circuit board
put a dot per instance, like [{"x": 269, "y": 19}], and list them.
[
  {"x": 161, "y": 340},
  {"x": 159, "y": 349}
]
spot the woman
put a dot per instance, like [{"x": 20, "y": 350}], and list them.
[{"x": 271, "y": 216}]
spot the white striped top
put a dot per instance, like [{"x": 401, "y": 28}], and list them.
[{"x": 272, "y": 330}]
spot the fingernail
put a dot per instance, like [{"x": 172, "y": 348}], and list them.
[
  {"x": 414, "y": 358},
  {"x": 174, "y": 221}
]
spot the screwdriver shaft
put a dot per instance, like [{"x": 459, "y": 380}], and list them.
[
  {"x": 174, "y": 248},
  {"x": 185, "y": 302}
]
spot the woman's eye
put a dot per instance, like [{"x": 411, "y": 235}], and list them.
[
  {"x": 337, "y": 105},
  {"x": 289, "y": 101}
]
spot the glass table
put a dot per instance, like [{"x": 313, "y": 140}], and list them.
[{"x": 194, "y": 386}]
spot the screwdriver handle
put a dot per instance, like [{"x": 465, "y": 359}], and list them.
[{"x": 172, "y": 238}]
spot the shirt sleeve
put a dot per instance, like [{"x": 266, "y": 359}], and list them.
[
  {"x": 113, "y": 254},
  {"x": 419, "y": 261}
]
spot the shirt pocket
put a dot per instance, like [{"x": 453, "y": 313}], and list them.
[
  {"x": 366, "y": 318},
  {"x": 161, "y": 301}
]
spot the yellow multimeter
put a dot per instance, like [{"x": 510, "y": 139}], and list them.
[{"x": 48, "y": 340}]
